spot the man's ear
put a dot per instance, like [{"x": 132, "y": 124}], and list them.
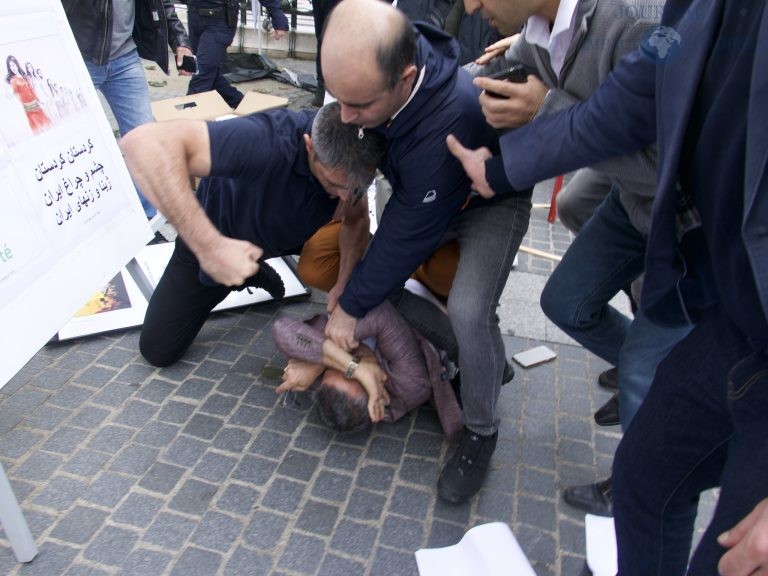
[
  {"x": 409, "y": 74},
  {"x": 308, "y": 144}
]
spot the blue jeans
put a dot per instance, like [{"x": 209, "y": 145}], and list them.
[
  {"x": 124, "y": 85},
  {"x": 703, "y": 423},
  {"x": 210, "y": 38},
  {"x": 489, "y": 237}
]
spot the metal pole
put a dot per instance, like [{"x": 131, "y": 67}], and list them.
[
  {"x": 256, "y": 10},
  {"x": 16, "y": 529}
]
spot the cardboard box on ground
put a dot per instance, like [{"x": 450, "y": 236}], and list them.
[{"x": 211, "y": 106}]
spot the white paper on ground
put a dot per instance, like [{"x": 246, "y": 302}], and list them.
[
  {"x": 533, "y": 356},
  {"x": 485, "y": 550},
  {"x": 601, "y": 545}
]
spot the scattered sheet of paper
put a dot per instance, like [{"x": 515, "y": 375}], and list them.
[
  {"x": 601, "y": 545},
  {"x": 534, "y": 356},
  {"x": 485, "y": 550}
]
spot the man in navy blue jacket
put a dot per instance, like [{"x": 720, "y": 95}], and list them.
[
  {"x": 698, "y": 87},
  {"x": 404, "y": 81}
]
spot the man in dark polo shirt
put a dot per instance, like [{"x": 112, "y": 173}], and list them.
[{"x": 267, "y": 187}]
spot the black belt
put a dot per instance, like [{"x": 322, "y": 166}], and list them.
[{"x": 209, "y": 12}]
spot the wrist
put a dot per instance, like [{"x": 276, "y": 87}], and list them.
[{"x": 352, "y": 367}]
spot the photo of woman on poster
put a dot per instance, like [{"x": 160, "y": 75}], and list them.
[{"x": 23, "y": 89}]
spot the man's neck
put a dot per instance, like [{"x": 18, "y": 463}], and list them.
[{"x": 548, "y": 10}]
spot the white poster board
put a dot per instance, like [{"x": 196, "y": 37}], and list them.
[{"x": 70, "y": 216}]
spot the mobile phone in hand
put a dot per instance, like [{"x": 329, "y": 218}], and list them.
[
  {"x": 188, "y": 64},
  {"x": 517, "y": 73}
]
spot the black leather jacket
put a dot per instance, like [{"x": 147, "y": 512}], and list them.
[{"x": 155, "y": 27}]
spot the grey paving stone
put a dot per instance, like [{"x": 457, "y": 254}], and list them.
[
  {"x": 270, "y": 444},
  {"x": 365, "y": 505},
  {"x": 193, "y": 497},
  {"x": 175, "y": 412},
  {"x": 79, "y": 525},
  {"x": 74, "y": 360},
  {"x": 540, "y": 547},
  {"x": 114, "y": 394},
  {"x": 443, "y": 534},
  {"x": 8, "y": 420},
  {"x": 254, "y": 470},
  {"x": 318, "y": 518},
  {"x": 457, "y": 513},
  {"x": 178, "y": 371},
  {"x": 244, "y": 562},
  {"x": 26, "y": 400},
  {"x": 234, "y": 384},
  {"x": 389, "y": 562},
  {"x": 426, "y": 445},
  {"x": 538, "y": 455},
  {"x": 248, "y": 416},
  {"x": 108, "y": 489},
  {"x": 238, "y": 499},
  {"x": 575, "y": 451},
  {"x": 135, "y": 373},
  {"x": 94, "y": 376},
  {"x": 337, "y": 566},
  {"x": 402, "y": 533},
  {"x": 301, "y": 554},
  {"x": 495, "y": 505},
  {"x": 111, "y": 438},
  {"x": 226, "y": 352},
  {"x": 284, "y": 495},
  {"x": 265, "y": 529},
  {"x": 46, "y": 417},
  {"x": 111, "y": 546},
  {"x": 385, "y": 449},
  {"x": 331, "y": 486},
  {"x": 212, "y": 369},
  {"x": 217, "y": 531},
  {"x": 170, "y": 530},
  {"x": 77, "y": 569},
  {"x": 214, "y": 467},
  {"x": 219, "y": 405},
  {"x": 38, "y": 522},
  {"x": 135, "y": 413},
  {"x": 342, "y": 457},
  {"x": 572, "y": 537},
  {"x": 284, "y": 420},
  {"x": 162, "y": 477},
  {"x": 38, "y": 467},
  {"x": 185, "y": 451},
  {"x": 194, "y": 388},
  {"x": 248, "y": 363},
  {"x": 116, "y": 357},
  {"x": 375, "y": 477},
  {"x": 419, "y": 471},
  {"x": 157, "y": 434},
  {"x": 203, "y": 426},
  {"x": 313, "y": 439},
  {"x": 90, "y": 417},
  {"x": 138, "y": 510},
  {"x": 538, "y": 482},
  {"x": 51, "y": 559},
  {"x": 65, "y": 440},
  {"x": 298, "y": 465},
  {"x": 22, "y": 489},
  {"x": 410, "y": 502},
  {"x": 354, "y": 538},
  {"x": 70, "y": 396},
  {"x": 196, "y": 562},
  {"x": 134, "y": 460},
  {"x": 155, "y": 391},
  {"x": 142, "y": 562},
  {"x": 259, "y": 395},
  {"x": 59, "y": 493},
  {"x": 232, "y": 439}
]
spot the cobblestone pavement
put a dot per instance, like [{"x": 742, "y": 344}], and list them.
[{"x": 197, "y": 469}]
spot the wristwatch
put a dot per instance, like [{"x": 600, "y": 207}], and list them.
[{"x": 352, "y": 366}]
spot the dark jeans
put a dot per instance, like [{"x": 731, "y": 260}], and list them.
[
  {"x": 178, "y": 309},
  {"x": 210, "y": 38},
  {"x": 703, "y": 423}
]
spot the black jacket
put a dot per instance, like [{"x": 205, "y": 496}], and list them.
[{"x": 155, "y": 27}]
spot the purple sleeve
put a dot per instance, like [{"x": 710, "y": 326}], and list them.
[{"x": 300, "y": 339}]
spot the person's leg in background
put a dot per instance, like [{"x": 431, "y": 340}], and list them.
[
  {"x": 675, "y": 449},
  {"x": 124, "y": 85},
  {"x": 320, "y": 11},
  {"x": 579, "y": 199},
  {"x": 210, "y": 37}
]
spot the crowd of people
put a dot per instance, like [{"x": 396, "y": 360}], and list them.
[{"x": 657, "y": 108}]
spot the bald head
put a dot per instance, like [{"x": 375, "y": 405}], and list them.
[{"x": 369, "y": 47}]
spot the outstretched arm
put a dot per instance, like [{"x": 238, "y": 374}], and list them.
[
  {"x": 161, "y": 156},
  {"x": 353, "y": 238}
]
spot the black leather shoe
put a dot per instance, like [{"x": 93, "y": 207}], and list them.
[
  {"x": 465, "y": 471},
  {"x": 268, "y": 279},
  {"x": 608, "y": 413},
  {"x": 319, "y": 97},
  {"x": 509, "y": 373},
  {"x": 609, "y": 380},
  {"x": 591, "y": 498}
]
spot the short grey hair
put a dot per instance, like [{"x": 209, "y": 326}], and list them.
[{"x": 339, "y": 145}]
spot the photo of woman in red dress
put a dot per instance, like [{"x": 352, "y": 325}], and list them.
[{"x": 25, "y": 92}]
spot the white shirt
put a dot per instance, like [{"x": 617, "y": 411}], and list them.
[{"x": 557, "y": 41}]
